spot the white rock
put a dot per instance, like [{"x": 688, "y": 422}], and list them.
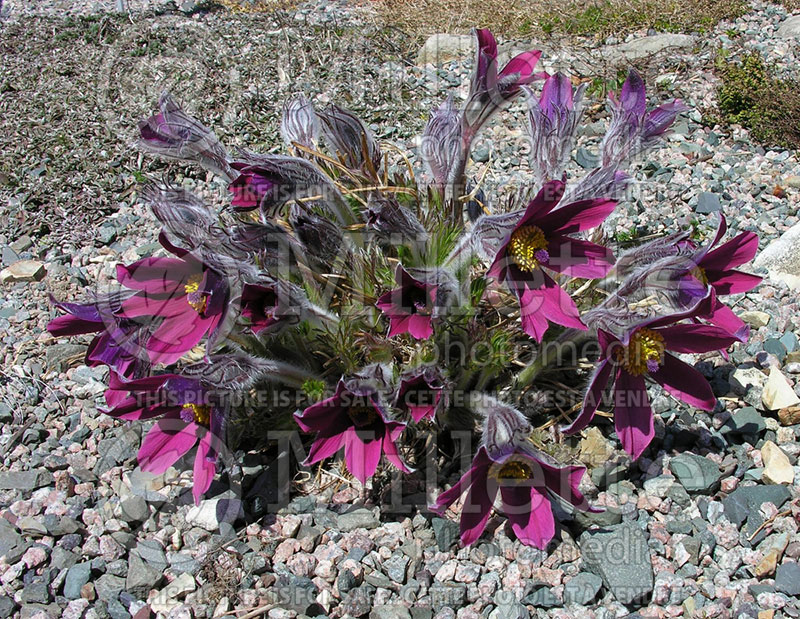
[
  {"x": 743, "y": 379},
  {"x": 781, "y": 258},
  {"x": 204, "y": 515},
  {"x": 789, "y": 27},
  {"x": 778, "y": 392},
  {"x": 777, "y": 468},
  {"x": 23, "y": 271},
  {"x": 644, "y": 47},
  {"x": 441, "y": 48},
  {"x": 755, "y": 319}
]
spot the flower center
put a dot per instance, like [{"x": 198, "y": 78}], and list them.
[
  {"x": 643, "y": 354},
  {"x": 699, "y": 273},
  {"x": 362, "y": 415},
  {"x": 514, "y": 470},
  {"x": 195, "y": 298},
  {"x": 196, "y": 413},
  {"x": 527, "y": 248}
]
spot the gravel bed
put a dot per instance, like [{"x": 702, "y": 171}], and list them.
[{"x": 690, "y": 529}]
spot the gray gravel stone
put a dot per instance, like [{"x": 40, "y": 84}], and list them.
[
  {"x": 787, "y": 578},
  {"x": 695, "y": 473},
  {"x": 357, "y": 519},
  {"x": 77, "y": 576},
  {"x": 446, "y": 533},
  {"x": 742, "y": 501},
  {"x": 620, "y": 557},
  {"x": 582, "y": 589},
  {"x": 24, "y": 480}
]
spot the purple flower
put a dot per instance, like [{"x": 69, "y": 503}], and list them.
[
  {"x": 189, "y": 416},
  {"x": 490, "y": 91},
  {"x": 539, "y": 241},
  {"x": 191, "y": 298},
  {"x": 524, "y": 480},
  {"x": 254, "y": 186},
  {"x": 409, "y": 306},
  {"x": 173, "y": 134},
  {"x": 633, "y": 129},
  {"x": 119, "y": 342},
  {"x": 643, "y": 352},
  {"x": 420, "y": 393},
  {"x": 715, "y": 266},
  {"x": 553, "y": 120},
  {"x": 357, "y": 422}
]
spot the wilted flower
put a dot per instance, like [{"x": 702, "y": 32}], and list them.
[
  {"x": 189, "y": 415},
  {"x": 634, "y": 129},
  {"x": 524, "y": 480},
  {"x": 321, "y": 239},
  {"x": 409, "y": 306},
  {"x": 420, "y": 393},
  {"x": 174, "y": 134},
  {"x": 299, "y": 123},
  {"x": 190, "y": 297},
  {"x": 553, "y": 121},
  {"x": 357, "y": 422},
  {"x": 643, "y": 352},
  {"x": 539, "y": 241}
]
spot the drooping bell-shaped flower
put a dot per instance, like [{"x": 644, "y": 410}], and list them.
[
  {"x": 553, "y": 119},
  {"x": 420, "y": 393},
  {"x": 410, "y": 306},
  {"x": 524, "y": 479},
  {"x": 173, "y": 134},
  {"x": 358, "y": 422}
]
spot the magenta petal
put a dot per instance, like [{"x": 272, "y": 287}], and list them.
[
  {"x": 578, "y": 258},
  {"x": 420, "y": 327},
  {"x": 204, "y": 469},
  {"x": 592, "y": 399},
  {"x": 685, "y": 383},
  {"x": 548, "y": 303},
  {"x": 477, "y": 508},
  {"x": 740, "y": 249},
  {"x": 324, "y": 446},
  {"x": 178, "y": 335},
  {"x": 556, "y": 95},
  {"x": 418, "y": 413},
  {"x": 564, "y": 482},
  {"x": 530, "y": 513},
  {"x": 633, "y": 417},
  {"x": 633, "y": 96},
  {"x": 155, "y": 275},
  {"x": 723, "y": 317},
  {"x": 361, "y": 457},
  {"x": 695, "y": 338},
  {"x": 523, "y": 64},
  {"x": 390, "y": 448},
  {"x": 166, "y": 442},
  {"x": 398, "y": 325},
  {"x": 576, "y": 217},
  {"x": 145, "y": 305},
  {"x": 732, "y": 282},
  {"x": 544, "y": 202}
]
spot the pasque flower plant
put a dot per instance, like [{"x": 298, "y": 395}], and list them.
[{"x": 380, "y": 301}]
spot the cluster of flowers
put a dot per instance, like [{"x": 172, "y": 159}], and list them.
[{"x": 340, "y": 272}]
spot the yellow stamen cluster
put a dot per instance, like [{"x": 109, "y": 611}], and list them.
[
  {"x": 201, "y": 414},
  {"x": 514, "y": 469},
  {"x": 699, "y": 273},
  {"x": 524, "y": 244},
  {"x": 645, "y": 346},
  {"x": 194, "y": 298}
]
